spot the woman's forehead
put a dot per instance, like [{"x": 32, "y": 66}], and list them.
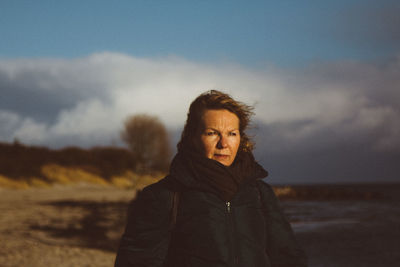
[{"x": 220, "y": 118}]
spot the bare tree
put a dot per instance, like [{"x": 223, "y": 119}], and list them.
[{"x": 147, "y": 138}]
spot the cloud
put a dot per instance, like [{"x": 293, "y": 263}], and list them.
[
  {"x": 84, "y": 101},
  {"x": 356, "y": 99}
]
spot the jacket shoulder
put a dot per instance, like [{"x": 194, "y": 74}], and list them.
[
  {"x": 156, "y": 197},
  {"x": 147, "y": 233},
  {"x": 266, "y": 190},
  {"x": 282, "y": 246},
  {"x": 162, "y": 187}
]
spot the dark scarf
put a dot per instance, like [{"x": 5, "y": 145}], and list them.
[{"x": 223, "y": 180}]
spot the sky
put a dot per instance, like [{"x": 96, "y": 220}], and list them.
[{"x": 324, "y": 76}]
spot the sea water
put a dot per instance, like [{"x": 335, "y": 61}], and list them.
[{"x": 351, "y": 231}]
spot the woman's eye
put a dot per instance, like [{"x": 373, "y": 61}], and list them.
[
  {"x": 211, "y": 133},
  {"x": 233, "y": 134}
]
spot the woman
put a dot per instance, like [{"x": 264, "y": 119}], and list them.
[{"x": 213, "y": 209}]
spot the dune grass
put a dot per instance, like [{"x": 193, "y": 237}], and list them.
[
  {"x": 6, "y": 182},
  {"x": 57, "y": 174},
  {"x": 23, "y": 166},
  {"x": 54, "y": 174}
]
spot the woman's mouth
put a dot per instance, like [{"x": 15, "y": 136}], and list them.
[{"x": 221, "y": 156}]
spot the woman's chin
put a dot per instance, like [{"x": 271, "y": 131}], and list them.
[{"x": 223, "y": 160}]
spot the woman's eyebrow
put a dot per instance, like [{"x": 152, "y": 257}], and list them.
[{"x": 214, "y": 129}]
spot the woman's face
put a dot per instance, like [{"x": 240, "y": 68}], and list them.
[{"x": 220, "y": 137}]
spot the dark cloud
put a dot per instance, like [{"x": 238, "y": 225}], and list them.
[
  {"x": 41, "y": 88},
  {"x": 354, "y": 133},
  {"x": 324, "y": 157}
]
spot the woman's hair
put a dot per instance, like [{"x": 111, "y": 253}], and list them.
[{"x": 215, "y": 100}]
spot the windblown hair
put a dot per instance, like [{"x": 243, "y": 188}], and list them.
[{"x": 215, "y": 100}]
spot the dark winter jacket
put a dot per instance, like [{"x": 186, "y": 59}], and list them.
[{"x": 248, "y": 231}]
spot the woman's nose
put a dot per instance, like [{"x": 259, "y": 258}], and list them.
[{"x": 222, "y": 142}]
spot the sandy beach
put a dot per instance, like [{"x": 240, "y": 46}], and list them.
[{"x": 62, "y": 226}]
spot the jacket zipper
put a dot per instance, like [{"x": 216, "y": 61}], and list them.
[{"x": 228, "y": 209}]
